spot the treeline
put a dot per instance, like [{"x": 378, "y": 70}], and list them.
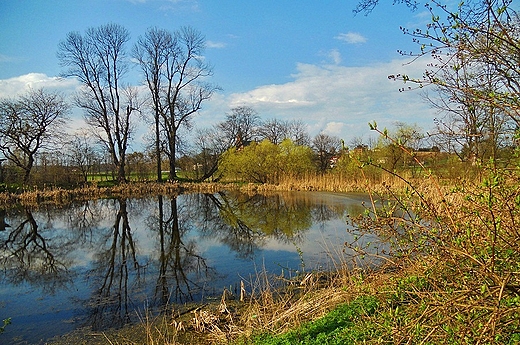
[
  {"x": 245, "y": 148},
  {"x": 242, "y": 148}
]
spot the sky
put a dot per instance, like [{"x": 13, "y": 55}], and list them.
[{"x": 312, "y": 61}]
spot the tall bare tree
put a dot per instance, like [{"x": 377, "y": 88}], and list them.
[
  {"x": 175, "y": 72},
  {"x": 240, "y": 126},
  {"x": 29, "y": 124},
  {"x": 152, "y": 52},
  {"x": 98, "y": 59}
]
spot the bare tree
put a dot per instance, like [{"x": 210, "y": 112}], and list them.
[
  {"x": 274, "y": 130},
  {"x": 153, "y": 52},
  {"x": 474, "y": 49},
  {"x": 30, "y": 124},
  {"x": 98, "y": 59},
  {"x": 81, "y": 153},
  {"x": 240, "y": 126},
  {"x": 473, "y": 126},
  {"x": 278, "y": 130},
  {"x": 325, "y": 147},
  {"x": 175, "y": 73},
  {"x": 298, "y": 133}
]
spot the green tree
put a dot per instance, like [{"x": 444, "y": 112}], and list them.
[
  {"x": 295, "y": 160},
  {"x": 29, "y": 124},
  {"x": 265, "y": 162},
  {"x": 253, "y": 163}
]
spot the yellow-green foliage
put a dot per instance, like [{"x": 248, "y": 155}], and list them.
[
  {"x": 266, "y": 162},
  {"x": 349, "y": 166}
]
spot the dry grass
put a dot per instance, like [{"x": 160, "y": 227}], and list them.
[{"x": 313, "y": 182}]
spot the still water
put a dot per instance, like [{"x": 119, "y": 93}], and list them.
[{"x": 99, "y": 264}]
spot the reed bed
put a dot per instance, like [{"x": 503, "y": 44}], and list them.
[
  {"x": 64, "y": 196},
  {"x": 56, "y": 195}
]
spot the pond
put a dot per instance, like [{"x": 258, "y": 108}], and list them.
[{"x": 101, "y": 263}]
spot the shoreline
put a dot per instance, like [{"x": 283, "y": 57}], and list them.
[{"x": 141, "y": 189}]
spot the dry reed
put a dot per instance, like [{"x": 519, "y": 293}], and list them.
[{"x": 56, "y": 195}]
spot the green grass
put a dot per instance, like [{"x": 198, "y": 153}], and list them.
[{"x": 343, "y": 325}]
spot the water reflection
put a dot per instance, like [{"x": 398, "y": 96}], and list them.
[
  {"x": 181, "y": 268},
  {"x": 95, "y": 263},
  {"x": 3, "y": 224},
  {"x": 31, "y": 254},
  {"x": 112, "y": 266}
]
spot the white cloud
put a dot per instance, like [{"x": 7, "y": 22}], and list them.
[
  {"x": 13, "y": 87},
  {"x": 6, "y": 58},
  {"x": 335, "y": 56},
  {"x": 351, "y": 37},
  {"x": 215, "y": 45},
  {"x": 334, "y": 128},
  {"x": 334, "y": 99},
  {"x": 338, "y": 100}
]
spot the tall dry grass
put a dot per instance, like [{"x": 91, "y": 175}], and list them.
[
  {"x": 310, "y": 182},
  {"x": 459, "y": 247}
]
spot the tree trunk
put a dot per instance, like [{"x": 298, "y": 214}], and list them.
[
  {"x": 121, "y": 178},
  {"x": 172, "y": 144},
  {"x": 158, "y": 148},
  {"x": 27, "y": 169}
]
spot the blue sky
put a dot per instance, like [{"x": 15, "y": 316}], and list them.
[{"x": 308, "y": 60}]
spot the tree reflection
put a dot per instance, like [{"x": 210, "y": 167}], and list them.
[
  {"x": 54, "y": 245},
  {"x": 246, "y": 222},
  {"x": 33, "y": 255},
  {"x": 3, "y": 224},
  {"x": 84, "y": 218},
  {"x": 115, "y": 265},
  {"x": 182, "y": 271}
]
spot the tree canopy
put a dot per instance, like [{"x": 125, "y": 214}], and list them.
[{"x": 29, "y": 124}]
